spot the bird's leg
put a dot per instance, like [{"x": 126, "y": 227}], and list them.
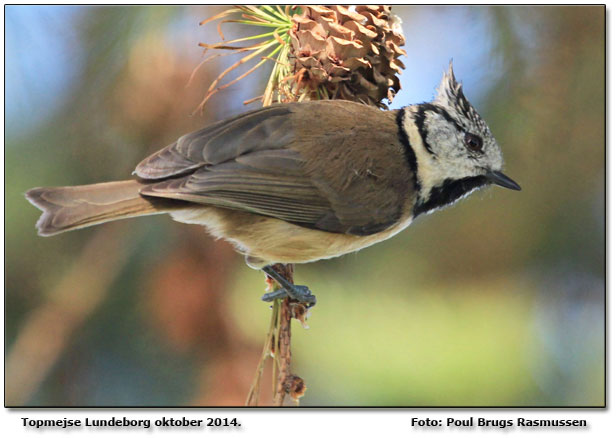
[{"x": 294, "y": 291}]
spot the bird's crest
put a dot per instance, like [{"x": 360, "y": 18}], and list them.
[
  {"x": 449, "y": 91},
  {"x": 449, "y": 95}
]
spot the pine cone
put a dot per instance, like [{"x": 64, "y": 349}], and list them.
[{"x": 350, "y": 52}]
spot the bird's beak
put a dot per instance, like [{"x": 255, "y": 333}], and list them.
[{"x": 500, "y": 179}]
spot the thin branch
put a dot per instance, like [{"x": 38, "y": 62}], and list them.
[
  {"x": 283, "y": 351},
  {"x": 255, "y": 388}
]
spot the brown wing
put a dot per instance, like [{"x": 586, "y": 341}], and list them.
[
  {"x": 270, "y": 162},
  {"x": 270, "y": 183},
  {"x": 262, "y": 129}
]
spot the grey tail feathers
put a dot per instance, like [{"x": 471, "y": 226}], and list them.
[{"x": 69, "y": 208}]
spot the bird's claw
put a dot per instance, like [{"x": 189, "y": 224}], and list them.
[
  {"x": 296, "y": 292},
  {"x": 271, "y": 296}
]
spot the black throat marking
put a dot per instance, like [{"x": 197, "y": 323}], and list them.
[
  {"x": 448, "y": 193},
  {"x": 409, "y": 153}
]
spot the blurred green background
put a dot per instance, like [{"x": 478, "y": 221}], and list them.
[{"x": 498, "y": 301}]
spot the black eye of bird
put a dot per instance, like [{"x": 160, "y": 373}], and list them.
[{"x": 473, "y": 142}]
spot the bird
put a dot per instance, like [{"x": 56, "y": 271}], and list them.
[{"x": 300, "y": 182}]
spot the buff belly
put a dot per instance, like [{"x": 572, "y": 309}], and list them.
[{"x": 264, "y": 240}]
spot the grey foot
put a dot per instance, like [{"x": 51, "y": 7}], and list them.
[
  {"x": 299, "y": 293},
  {"x": 294, "y": 291}
]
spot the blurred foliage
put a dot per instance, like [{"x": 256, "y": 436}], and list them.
[{"x": 498, "y": 301}]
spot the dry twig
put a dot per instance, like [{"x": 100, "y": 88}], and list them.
[{"x": 278, "y": 346}]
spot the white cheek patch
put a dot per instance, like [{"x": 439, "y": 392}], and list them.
[{"x": 442, "y": 136}]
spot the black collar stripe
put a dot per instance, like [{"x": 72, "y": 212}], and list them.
[{"x": 448, "y": 192}]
